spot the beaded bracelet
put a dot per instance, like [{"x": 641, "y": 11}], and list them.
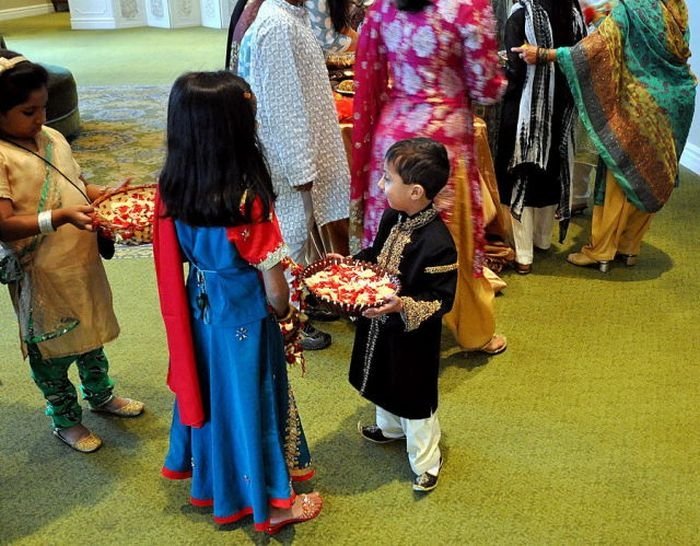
[{"x": 45, "y": 223}]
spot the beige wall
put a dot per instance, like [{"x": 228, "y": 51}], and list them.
[{"x": 14, "y": 4}]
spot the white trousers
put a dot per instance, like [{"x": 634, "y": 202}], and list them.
[
  {"x": 297, "y": 249},
  {"x": 581, "y": 183},
  {"x": 422, "y": 439},
  {"x": 536, "y": 227}
]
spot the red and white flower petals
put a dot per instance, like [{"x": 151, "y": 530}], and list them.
[
  {"x": 127, "y": 216},
  {"x": 351, "y": 284}
]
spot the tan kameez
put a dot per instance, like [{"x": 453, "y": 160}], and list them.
[{"x": 67, "y": 261}]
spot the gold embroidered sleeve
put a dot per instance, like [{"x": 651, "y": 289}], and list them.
[
  {"x": 441, "y": 268},
  {"x": 273, "y": 258},
  {"x": 416, "y": 313}
]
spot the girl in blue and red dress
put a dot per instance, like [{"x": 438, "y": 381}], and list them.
[{"x": 236, "y": 430}]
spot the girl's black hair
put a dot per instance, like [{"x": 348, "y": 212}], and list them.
[
  {"x": 411, "y": 5},
  {"x": 20, "y": 81},
  {"x": 339, "y": 14},
  {"x": 214, "y": 167},
  {"x": 421, "y": 161}
]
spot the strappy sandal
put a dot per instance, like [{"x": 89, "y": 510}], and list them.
[
  {"x": 309, "y": 510},
  {"x": 498, "y": 350}
]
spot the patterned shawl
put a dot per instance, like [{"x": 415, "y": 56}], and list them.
[
  {"x": 636, "y": 94},
  {"x": 533, "y": 138}
]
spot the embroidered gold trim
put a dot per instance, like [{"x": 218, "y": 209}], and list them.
[
  {"x": 441, "y": 268},
  {"x": 372, "y": 337},
  {"x": 273, "y": 258},
  {"x": 292, "y": 439},
  {"x": 400, "y": 236},
  {"x": 416, "y": 313}
]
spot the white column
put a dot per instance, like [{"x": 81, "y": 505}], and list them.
[
  {"x": 216, "y": 13},
  {"x": 172, "y": 13},
  {"x": 101, "y": 14}
]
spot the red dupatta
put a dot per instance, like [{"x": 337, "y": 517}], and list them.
[
  {"x": 183, "y": 379},
  {"x": 259, "y": 243}
]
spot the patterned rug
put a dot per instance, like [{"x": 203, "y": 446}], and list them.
[{"x": 122, "y": 135}]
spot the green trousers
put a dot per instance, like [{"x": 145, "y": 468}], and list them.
[{"x": 51, "y": 376}]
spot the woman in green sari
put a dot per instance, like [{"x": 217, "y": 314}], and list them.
[{"x": 635, "y": 94}]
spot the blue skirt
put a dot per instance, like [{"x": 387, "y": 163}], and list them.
[{"x": 242, "y": 459}]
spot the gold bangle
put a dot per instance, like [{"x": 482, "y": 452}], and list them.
[
  {"x": 288, "y": 314},
  {"x": 540, "y": 56}
]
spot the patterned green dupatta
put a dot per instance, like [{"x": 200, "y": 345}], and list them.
[
  {"x": 636, "y": 94},
  {"x": 41, "y": 314}
]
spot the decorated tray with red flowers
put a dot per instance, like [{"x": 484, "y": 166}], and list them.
[
  {"x": 126, "y": 215},
  {"x": 341, "y": 60},
  {"x": 350, "y": 286}
]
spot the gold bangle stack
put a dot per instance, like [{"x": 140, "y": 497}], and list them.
[{"x": 542, "y": 55}]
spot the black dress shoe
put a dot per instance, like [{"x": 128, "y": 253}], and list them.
[
  {"x": 313, "y": 339},
  {"x": 373, "y": 433},
  {"x": 427, "y": 481}
]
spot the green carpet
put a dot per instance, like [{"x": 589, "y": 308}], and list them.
[
  {"x": 586, "y": 431},
  {"x": 127, "y": 56}
]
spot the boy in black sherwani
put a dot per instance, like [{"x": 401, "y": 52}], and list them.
[{"x": 396, "y": 354}]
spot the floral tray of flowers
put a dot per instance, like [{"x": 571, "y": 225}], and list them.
[
  {"x": 350, "y": 286},
  {"x": 126, "y": 215}
]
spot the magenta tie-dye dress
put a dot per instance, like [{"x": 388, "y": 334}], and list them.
[{"x": 417, "y": 74}]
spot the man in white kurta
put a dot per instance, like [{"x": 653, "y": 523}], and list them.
[{"x": 284, "y": 65}]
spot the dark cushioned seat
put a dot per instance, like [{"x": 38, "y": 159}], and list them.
[{"x": 62, "y": 111}]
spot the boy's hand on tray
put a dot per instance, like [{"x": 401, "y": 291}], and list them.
[{"x": 393, "y": 304}]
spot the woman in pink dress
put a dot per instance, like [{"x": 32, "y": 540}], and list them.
[{"x": 419, "y": 66}]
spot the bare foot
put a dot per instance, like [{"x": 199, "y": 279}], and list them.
[{"x": 305, "y": 507}]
